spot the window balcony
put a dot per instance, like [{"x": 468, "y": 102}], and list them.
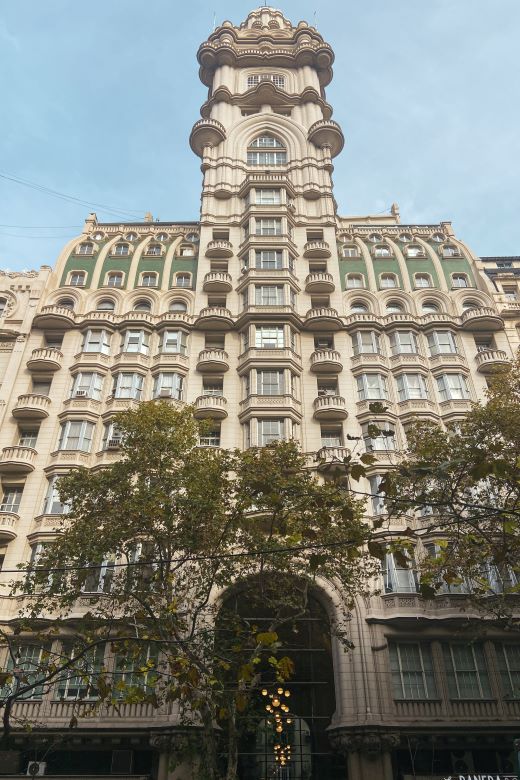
[
  {"x": 127, "y": 360},
  {"x": 319, "y": 283},
  {"x": 316, "y": 250},
  {"x": 98, "y": 319},
  {"x": 408, "y": 360},
  {"x": 215, "y": 318},
  {"x": 282, "y": 357},
  {"x": 32, "y": 406},
  {"x": 331, "y": 460},
  {"x": 489, "y": 360},
  {"x": 121, "y": 404},
  {"x": 285, "y": 405},
  {"x": 57, "y": 317},
  {"x": 81, "y": 401},
  {"x": 444, "y": 359},
  {"x": 8, "y": 523},
  {"x": 484, "y": 318},
  {"x": 173, "y": 359},
  {"x": 455, "y": 408},
  {"x": 45, "y": 359},
  {"x": 90, "y": 360},
  {"x": 329, "y": 407},
  {"x": 400, "y": 319},
  {"x": 210, "y": 406},
  {"x": 325, "y": 361},
  {"x": 368, "y": 360},
  {"x": 322, "y": 318},
  {"x": 70, "y": 458},
  {"x": 363, "y": 318},
  {"x": 136, "y": 317},
  {"x": 327, "y": 133},
  {"x": 206, "y": 132},
  {"x": 422, "y": 408},
  {"x": 219, "y": 248},
  {"x": 217, "y": 281},
  {"x": 281, "y": 313},
  {"x": 213, "y": 361},
  {"x": 47, "y": 523}
]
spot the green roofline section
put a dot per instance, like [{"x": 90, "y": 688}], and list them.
[{"x": 79, "y": 263}]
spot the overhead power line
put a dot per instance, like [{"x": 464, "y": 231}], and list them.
[{"x": 69, "y": 198}]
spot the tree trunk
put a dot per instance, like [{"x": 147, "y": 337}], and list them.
[{"x": 232, "y": 743}]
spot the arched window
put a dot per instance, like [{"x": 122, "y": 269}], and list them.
[
  {"x": 469, "y": 304},
  {"x": 422, "y": 280},
  {"x": 459, "y": 280},
  {"x": 154, "y": 250},
  {"x": 106, "y": 304},
  {"x": 193, "y": 237},
  {"x": 375, "y": 237},
  {"x": 149, "y": 279},
  {"x": 183, "y": 280},
  {"x": 393, "y": 307},
  {"x": 266, "y": 150},
  {"x": 162, "y": 236},
  {"x": 382, "y": 251},
  {"x": 131, "y": 236},
  {"x": 438, "y": 238},
  {"x": 178, "y": 306},
  {"x": 450, "y": 251},
  {"x": 350, "y": 251},
  {"x": 115, "y": 279},
  {"x": 85, "y": 248},
  {"x": 388, "y": 280},
  {"x": 405, "y": 238},
  {"x": 429, "y": 307},
  {"x": 358, "y": 307},
  {"x": 3, "y": 304},
  {"x": 415, "y": 251},
  {"x": 354, "y": 280},
  {"x": 67, "y": 303},
  {"x": 143, "y": 304},
  {"x": 121, "y": 250},
  {"x": 77, "y": 278}
]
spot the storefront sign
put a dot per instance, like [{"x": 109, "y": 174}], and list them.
[{"x": 485, "y": 776}]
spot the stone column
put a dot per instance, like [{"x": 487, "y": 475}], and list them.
[{"x": 369, "y": 753}]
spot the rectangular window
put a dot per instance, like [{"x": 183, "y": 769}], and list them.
[
  {"x": 377, "y": 498},
  {"x": 210, "y": 438},
  {"x": 270, "y": 382},
  {"x": 96, "y": 341},
  {"x": 452, "y": 386},
  {"x": 52, "y": 504},
  {"x": 174, "y": 341},
  {"x": 128, "y": 385},
  {"x": 269, "y": 337},
  {"x": 466, "y": 671},
  {"x": 41, "y": 386},
  {"x": 412, "y": 671},
  {"x": 259, "y": 157},
  {"x": 136, "y": 341},
  {"x": 270, "y": 259},
  {"x": 168, "y": 385},
  {"x": 379, "y": 436},
  {"x": 112, "y": 437},
  {"x": 267, "y": 226},
  {"x": 508, "y": 657},
  {"x": 136, "y": 672},
  {"x": 98, "y": 578},
  {"x": 442, "y": 342},
  {"x": 365, "y": 342},
  {"x": 270, "y": 430},
  {"x": 214, "y": 387},
  {"x": 269, "y": 295},
  {"x": 76, "y": 435},
  {"x": 32, "y": 661},
  {"x": 11, "y": 498},
  {"x": 399, "y": 578},
  {"x": 403, "y": 342},
  {"x": 87, "y": 384},
  {"x": 28, "y": 437},
  {"x": 372, "y": 387},
  {"x": 81, "y": 681},
  {"x": 268, "y": 197},
  {"x": 411, "y": 386},
  {"x": 331, "y": 437}
]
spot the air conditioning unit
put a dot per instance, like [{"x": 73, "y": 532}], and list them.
[
  {"x": 462, "y": 761},
  {"x": 165, "y": 393},
  {"x": 36, "y": 768},
  {"x": 113, "y": 444},
  {"x": 80, "y": 393}
]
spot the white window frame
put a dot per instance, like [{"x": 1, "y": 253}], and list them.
[
  {"x": 81, "y": 275},
  {"x": 174, "y": 342},
  {"x": 119, "y": 275},
  {"x": 149, "y": 279},
  {"x": 367, "y": 388},
  {"x": 399, "y": 579},
  {"x": 455, "y": 671},
  {"x": 89, "y": 384},
  {"x": 121, "y": 250},
  {"x": 270, "y": 381},
  {"x": 269, "y": 259},
  {"x": 268, "y": 226},
  {"x": 448, "y": 391},
  {"x": 85, "y": 248},
  {"x": 354, "y": 278},
  {"x": 128, "y": 384},
  {"x": 268, "y": 196},
  {"x": 275, "y": 338},
  {"x": 423, "y": 277},
  {"x": 169, "y": 381},
  {"x": 11, "y": 498},
  {"x": 361, "y": 339},
  {"x": 136, "y": 342},
  {"x": 277, "y": 432},
  {"x": 96, "y": 338},
  {"x": 274, "y": 293},
  {"x": 403, "y": 342},
  {"x": 457, "y": 278},
  {"x": 388, "y": 277},
  {"x": 183, "y": 279},
  {"x": 438, "y": 339},
  {"x": 83, "y": 438},
  {"x": 412, "y": 683},
  {"x": 411, "y": 386}
]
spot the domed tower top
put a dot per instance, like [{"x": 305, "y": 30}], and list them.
[{"x": 265, "y": 38}]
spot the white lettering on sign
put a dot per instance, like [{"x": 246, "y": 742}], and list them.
[{"x": 485, "y": 776}]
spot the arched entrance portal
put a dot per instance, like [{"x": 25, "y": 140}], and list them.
[{"x": 307, "y": 641}]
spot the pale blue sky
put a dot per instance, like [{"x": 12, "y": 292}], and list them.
[{"x": 98, "y": 99}]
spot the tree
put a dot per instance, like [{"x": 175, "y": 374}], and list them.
[
  {"x": 462, "y": 483},
  {"x": 152, "y": 548}
]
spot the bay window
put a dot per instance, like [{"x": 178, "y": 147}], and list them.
[
  {"x": 128, "y": 385},
  {"x": 403, "y": 342},
  {"x": 452, "y": 387},
  {"x": 442, "y": 342},
  {"x": 365, "y": 342},
  {"x": 411, "y": 386},
  {"x": 168, "y": 385},
  {"x": 76, "y": 435},
  {"x": 466, "y": 671},
  {"x": 87, "y": 384},
  {"x": 173, "y": 341},
  {"x": 96, "y": 341},
  {"x": 372, "y": 387},
  {"x": 412, "y": 671},
  {"x": 137, "y": 341}
]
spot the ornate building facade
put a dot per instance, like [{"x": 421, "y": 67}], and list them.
[{"x": 276, "y": 318}]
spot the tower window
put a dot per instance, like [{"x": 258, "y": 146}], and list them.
[
  {"x": 266, "y": 150},
  {"x": 274, "y": 78}
]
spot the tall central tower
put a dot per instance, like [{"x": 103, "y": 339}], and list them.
[{"x": 268, "y": 224}]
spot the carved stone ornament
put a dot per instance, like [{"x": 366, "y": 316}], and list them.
[{"x": 370, "y": 743}]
